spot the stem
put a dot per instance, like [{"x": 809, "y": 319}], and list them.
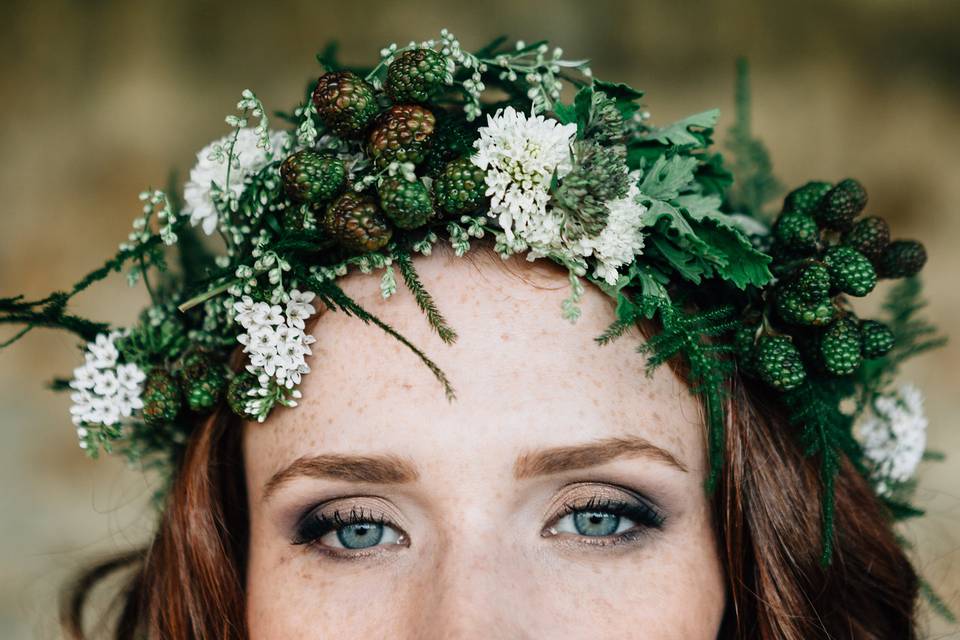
[{"x": 203, "y": 297}]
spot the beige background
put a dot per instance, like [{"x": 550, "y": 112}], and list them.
[{"x": 100, "y": 99}]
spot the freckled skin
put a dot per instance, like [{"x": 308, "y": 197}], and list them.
[{"x": 476, "y": 564}]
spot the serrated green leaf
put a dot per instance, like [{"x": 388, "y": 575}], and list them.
[
  {"x": 685, "y": 262},
  {"x": 687, "y": 132},
  {"x": 736, "y": 259},
  {"x": 668, "y": 177}
]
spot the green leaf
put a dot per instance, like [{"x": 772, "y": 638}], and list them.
[
  {"x": 658, "y": 210},
  {"x": 687, "y": 132},
  {"x": 668, "y": 177},
  {"x": 688, "y": 264},
  {"x": 738, "y": 261}
]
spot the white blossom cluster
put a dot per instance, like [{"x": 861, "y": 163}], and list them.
[
  {"x": 276, "y": 342},
  {"x": 104, "y": 391},
  {"x": 520, "y": 156},
  {"x": 210, "y": 175},
  {"x": 621, "y": 240},
  {"x": 893, "y": 436}
]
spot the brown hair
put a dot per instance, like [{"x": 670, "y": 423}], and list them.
[{"x": 189, "y": 582}]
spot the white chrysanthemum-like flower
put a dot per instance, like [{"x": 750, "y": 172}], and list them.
[
  {"x": 520, "y": 155},
  {"x": 104, "y": 391},
  {"x": 275, "y": 340},
  {"x": 893, "y": 436},
  {"x": 621, "y": 240},
  {"x": 211, "y": 168}
]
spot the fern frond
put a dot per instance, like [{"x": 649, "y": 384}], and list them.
[{"x": 424, "y": 300}]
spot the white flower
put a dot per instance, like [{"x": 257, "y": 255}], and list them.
[
  {"x": 104, "y": 390},
  {"x": 211, "y": 169},
  {"x": 299, "y": 308},
  {"x": 520, "y": 155},
  {"x": 276, "y": 343},
  {"x": 621, "y": 240},
  {"x": 893, "y": 437}
]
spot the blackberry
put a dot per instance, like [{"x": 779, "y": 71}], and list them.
[
  {"x": 796, "y": 231},
  {"x": 778, "y": 363},
  {"x": 161, "y": 397},
  {"x": 238, "y": 394},
  {"x": 452, "y": 137},
  {"x": 841, "y": 205},
  {"x": 805, "y": 199},
  {"x": 204, "y": 380},
  {"x": 417, "y": 75},
  {"x": 356, "y": 223},
  {"x": 795, "y": 307},
  {"x": 312, "y": 177},
  {"x": 402, "y": 133},
  {"x": 460, "y": 188},
  {"x": 345, "y": 102},
  {"x": 840, "y": 349},
  {"x": 870, "y": 237},
  {"x": 902, "y": 259},
  {"x": 406, "y": 204},
  {"x": 850, "y": 270},
  {"x": 813, "y": 282},
  {"x": 876, "y": 339}
]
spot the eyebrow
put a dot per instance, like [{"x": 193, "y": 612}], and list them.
[
  {"x": 385, "y": 469},
  {"x": 571, "y": 458}
]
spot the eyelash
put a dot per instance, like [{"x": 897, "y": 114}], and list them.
[
  {"x": 317, "y": 524},
  {"x": 644, "y": 514}
]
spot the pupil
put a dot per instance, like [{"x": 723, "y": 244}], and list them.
[
  {"x": 360, "y": 535},
  {"x": 595, "y": 523}
]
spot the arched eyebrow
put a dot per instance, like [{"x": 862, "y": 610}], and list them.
[
  {"x": 380, "y": 469},
  {"x": 573, "y": 457}
]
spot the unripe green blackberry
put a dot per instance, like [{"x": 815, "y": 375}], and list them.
[
  {"x": 356, "y": 223},
  {"x": 778, "y": 363},
  {"x": 312, "y": 177},
  {"x": 850, "y": 270},
  {"x": 460, "y": 188},
  {"x": 407, "y": 204},
  {"x": 805, "y": 199},
  {"x": 841, "y": 205},
  {"x": 204, "y": 380},
  {"x": 902, "y": 259},
  {"x": 876, "y": 339},
  {"x": 840, "y": 348},
  {"x": 238, "y": 394},
  {"x": 162, "y": 397},
  {"x": 796, "y": 231},
  {"x": 813, "y": 282},
  {"x": 794, "y": 307},
  {"x": 453, "y": 137},
  {"x": 417, "y": 75},
  {"x": 402, "y": 133},
  {"x": 869, "y": 236},
  {"x": 345, "y": 102}
]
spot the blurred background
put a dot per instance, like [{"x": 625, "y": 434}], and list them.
[{"x": 101, "y": 99}]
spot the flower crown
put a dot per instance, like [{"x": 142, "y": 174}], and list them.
[{"x": 435, "y": 144}]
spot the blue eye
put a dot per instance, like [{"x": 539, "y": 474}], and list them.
[
  {"x": 595, "y": 523},
  {"x": 352, "y": 531},
  {"x": 604, "y": 518}
]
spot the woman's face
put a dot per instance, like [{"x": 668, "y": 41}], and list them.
[{"x": 559, "y": 496}]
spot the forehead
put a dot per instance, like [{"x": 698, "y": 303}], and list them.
[{"x": 524, "y": 377}]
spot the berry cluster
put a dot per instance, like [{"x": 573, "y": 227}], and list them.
[
  {"x": 197, "y": 381},
  {"x": 822, "y": 254},
  {"x": 398, "y": 127}
]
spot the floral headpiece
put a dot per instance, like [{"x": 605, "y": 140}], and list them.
[{"x": 435, "y": 144}]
